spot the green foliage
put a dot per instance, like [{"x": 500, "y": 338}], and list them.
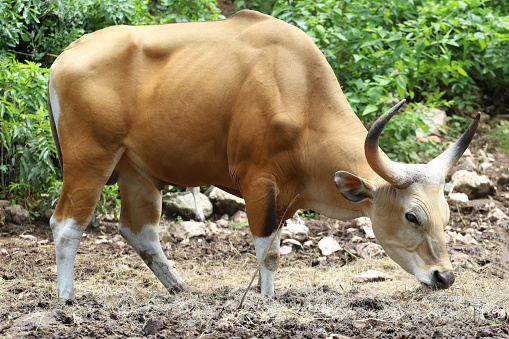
[
  {"x": 424, "y": 50},
  {"x": 27, "y": 163},
  {"x": 309, "y": 214},
  {"x": 500, "y": 133},
  {"x": 264, "y": 6},
  {"x": 36, "y": 30},
  {"x": 39, "y": 30}
]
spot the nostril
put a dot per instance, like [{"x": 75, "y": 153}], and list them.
[{"x": 443, "y": 280}]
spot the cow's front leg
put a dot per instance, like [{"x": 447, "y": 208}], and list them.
[{"x": 261, "y": 209}]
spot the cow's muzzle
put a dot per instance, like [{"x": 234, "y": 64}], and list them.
[{"x": 443, "y": 279}]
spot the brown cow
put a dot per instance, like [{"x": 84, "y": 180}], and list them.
[{"x": 250, "y": 105}]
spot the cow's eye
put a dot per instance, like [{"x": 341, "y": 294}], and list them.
[{"x": 412, "y": 218}]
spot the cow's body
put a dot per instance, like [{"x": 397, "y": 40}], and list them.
[{"x": 248, "y": 104}]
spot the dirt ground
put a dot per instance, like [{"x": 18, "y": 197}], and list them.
[{"x": 117, "y": 296}]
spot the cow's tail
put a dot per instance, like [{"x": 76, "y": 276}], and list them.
[{"x": 54, "y": 129}]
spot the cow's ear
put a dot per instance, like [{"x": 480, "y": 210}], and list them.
[{"x": 352, "y": 187}]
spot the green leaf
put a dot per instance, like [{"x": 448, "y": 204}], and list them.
[{"x": 369, "y": 109}]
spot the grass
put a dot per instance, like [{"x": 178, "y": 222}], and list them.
[
  {"x": 126, "y": 290},
  {"x": 500, "y": 133}
]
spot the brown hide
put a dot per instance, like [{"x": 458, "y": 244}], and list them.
[{"x": 248, "y": 103}]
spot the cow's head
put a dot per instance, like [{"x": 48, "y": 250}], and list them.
[{"x": 407, "y": 206}]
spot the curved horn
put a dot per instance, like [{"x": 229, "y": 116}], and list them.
[
  {"x": 393, "y": 172},
  {"x": 445, "y": 161}
]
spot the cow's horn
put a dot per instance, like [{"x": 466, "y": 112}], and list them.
[
  {"x": 450, "y": 156},
  {"x": 393, "y": 172}
]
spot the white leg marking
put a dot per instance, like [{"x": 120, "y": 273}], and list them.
[
  {"x": 67, "y": 236},
  {"x": 197, "y": 204},
  {"x": 271, "y": 263},
  {"x": 146, "y": 244},
  {"x": 55, "y": 105}
]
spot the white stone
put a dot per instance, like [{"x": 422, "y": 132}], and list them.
[
  {"x": 371, "y": 276},
  {"x": 329, "y": 245},
  {"x": 188, "y": 229},
  {"x": 292, "y": 242},
  {"x": 211, "y": 228},
  {"x": 496, "y": 214},
  {"x": 17, "y": 215},
  {"x": 285, "y": 250},
  {"x": 239, "y": 217},
  {"x": 369, "y": 250},
  {"x": 466, "y": 239},
  {"x": 182, "y": 204},
  {"x": 458, "y": 256},
  {"x": 224, "y": 202},
  {"x": 298, "y": 232},
  {"x": 458, "y": 197},
  {"x": 472, "y": 184},
  {"x": 222, "y": 223}
]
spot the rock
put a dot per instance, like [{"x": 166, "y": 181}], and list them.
[
  {"x": 59, "y": 315},
  {"x": 329, "y": 245},
  {"x": 182, "y": 204},
  {"x": 3, "y": 251},
  {"x": 295, "y": 231},
  {"x": 364, "y": 224},
  {"x": 369, "y": 250},
  {"x": 225, "y": 203},
  {"x": 17, "y": 215},
  {"x": 368, "y": 230},
  {"x": 48, "y": 214},
  {"x": 466, "y": 239},
  {"x": 309, "y": 244},
  {"x": 503, "y": 179},
  {"x": 211, "y": 228},
  {"x": 438, "y": 118},
  {"x": 222, "y": 223},
  {"x": 357, "y": 239},
  {"x": 465, "y": 163},
  {"x": 371, "y": 276},
  {"x": 496, "y": 214},
  {"x": 458, "y": 256},
  {"x": 485, "y": 165},
  {"x": 28, "y": 237},
  {"x": 285, "y": 250},
  {"x": 296, "y": 219},
  {"x": 361, "y": 323},
  {"x": 458, "y": 197},
  {"x": 152, "y": 327},
  {"x": 292, "y": 242},
  {"x": 239, "y": 217},
  {"x": 5, "y": 203},
  {"x": 188, "y": 229},
  {"x": 2, "y": 216},
  {"x": 102, "y": 241},
  {"x": 473, "y": 184}
]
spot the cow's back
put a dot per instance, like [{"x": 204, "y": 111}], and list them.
[{"x": 212, "y": 93}]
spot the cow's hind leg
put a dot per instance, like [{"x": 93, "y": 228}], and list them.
[
  {"x": 83, "y": 183},
  {"x": 139, "y": 223}
]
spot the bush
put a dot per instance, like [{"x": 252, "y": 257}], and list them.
[
  {"x": 27, "y": 164},
  {"x": 445, "y": 54}
]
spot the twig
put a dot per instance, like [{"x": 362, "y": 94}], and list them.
[
  {"x": 353, "y": 255},
  {"x": 461, "y": 217},
  {"x": 266, "y": 252}
]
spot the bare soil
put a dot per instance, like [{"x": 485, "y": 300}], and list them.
[{"x": 117, "y": 296}]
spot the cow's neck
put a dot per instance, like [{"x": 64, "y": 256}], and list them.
[{"x": 337, "y": 145}]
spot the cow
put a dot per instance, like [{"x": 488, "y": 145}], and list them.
[{"x": 250, "y": 105}]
